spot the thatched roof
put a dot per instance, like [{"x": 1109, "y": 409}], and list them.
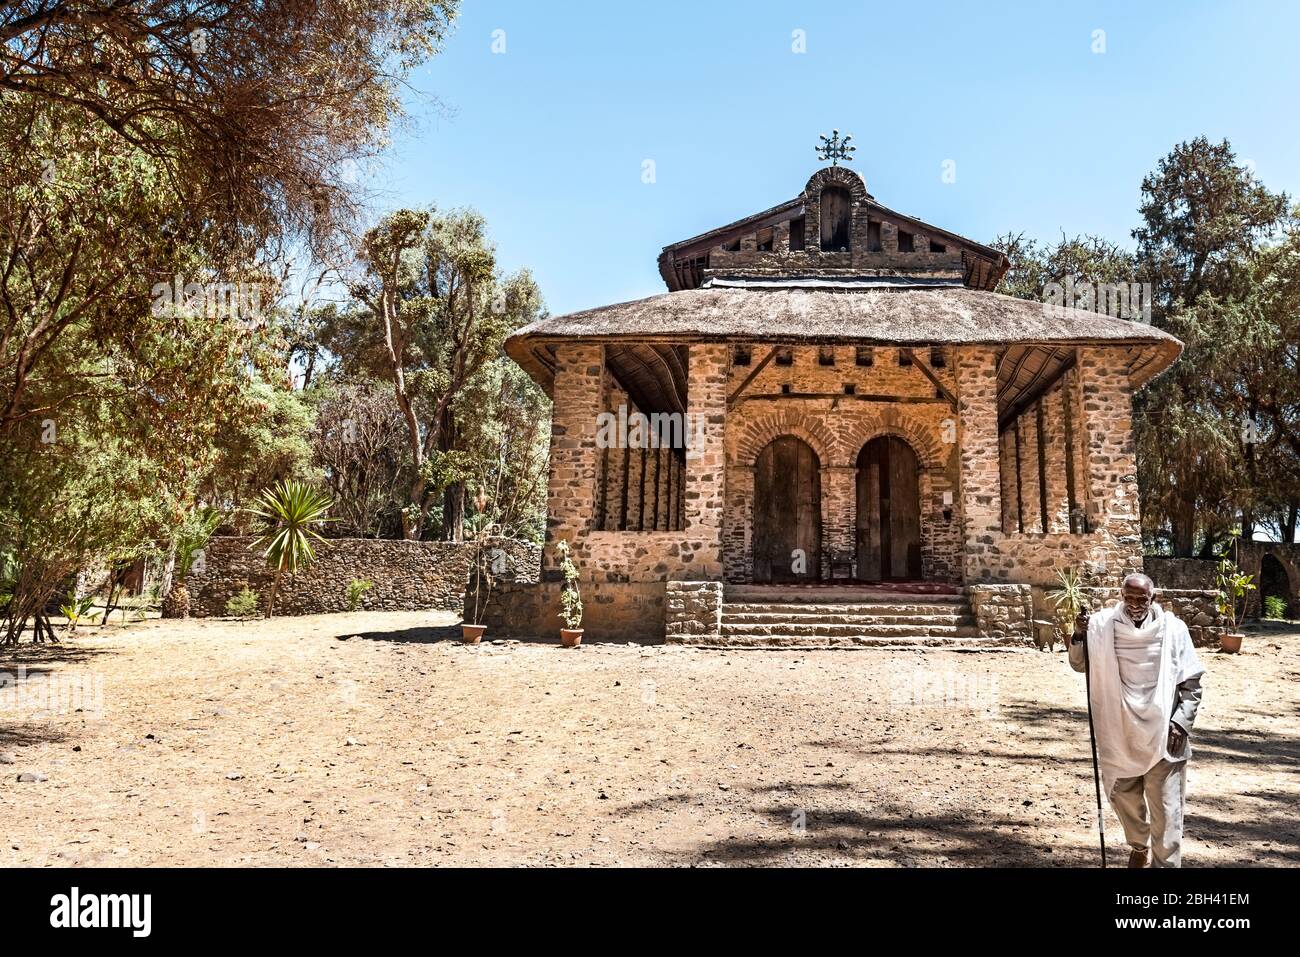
[{"x": 939, "y": 316}]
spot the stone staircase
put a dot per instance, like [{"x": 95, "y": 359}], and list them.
[{"x": 848, "y": 615}]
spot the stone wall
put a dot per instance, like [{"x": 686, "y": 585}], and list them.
[
  {"x": 1180, "y": 573},
  {"x": 405, "y": 575},
  {"x": 693, "y": 612},
  {"x": 1003, "y": 613},
  {"x": 612, "y": 611}
]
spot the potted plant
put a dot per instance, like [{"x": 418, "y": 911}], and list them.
[
  {"x": 570, "y": 599},
  {"x": 482, "y": 577},
  {"x": 1233, "y": 586}
]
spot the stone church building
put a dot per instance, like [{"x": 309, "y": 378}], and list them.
[{"x": 832, "y": 429}]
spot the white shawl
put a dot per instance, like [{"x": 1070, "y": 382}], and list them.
[{"x": 1132, "y": 721}]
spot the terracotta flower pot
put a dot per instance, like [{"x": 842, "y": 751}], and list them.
[
  {"x": 1230, "y": 644},
  {"x": 470, "y": 634},
  {"x": 570, "y": 637}
]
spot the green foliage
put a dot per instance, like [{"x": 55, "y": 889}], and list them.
[
  {"x": 1232, "y": 586},
  {"x": 430, "y": 313},
  {"x": 244, "y": 604},
  {"x": 1070, "y": 599},
  {"x": 1274, "y": 607},
  {"x": 75, "y": 609},
  {"x": 193, "y": 536},
  {"x": 289, "y": 513},
  {"x": 356, "y": 590},
  {"x": 570, "y": 597}
]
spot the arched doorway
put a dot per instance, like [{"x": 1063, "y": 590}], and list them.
[
  {"x": 889, "y": 510},
  {"x": 787, "y": 512}
]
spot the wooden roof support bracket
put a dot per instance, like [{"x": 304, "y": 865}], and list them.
[
  {"x": 919, "y": 363},
  {"x": 731, "y": 399}
]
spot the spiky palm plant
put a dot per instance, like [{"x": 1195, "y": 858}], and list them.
[
  {"x": 191, "y": 538},
  {"x": 289, "y": 512}
]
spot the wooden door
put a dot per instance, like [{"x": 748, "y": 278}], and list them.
[
  {"x": 889, "y": 511},
  {"x": 787, "y": 512}
]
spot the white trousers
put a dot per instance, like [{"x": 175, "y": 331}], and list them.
[{"x": 1151, "y": 809}]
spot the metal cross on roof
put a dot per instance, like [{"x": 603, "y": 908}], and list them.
[{"x": 835, "y": 149}]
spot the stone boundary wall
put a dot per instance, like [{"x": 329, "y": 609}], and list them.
[
  {"x": 1181, "y": 573},
  {"x": 405, "y": 575},
  {"x": 611, "y": 611},
  {"x": 693, "y": 612},
  {"x": 1003, "y": 613}
]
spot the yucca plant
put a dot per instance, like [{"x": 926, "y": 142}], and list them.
[
  {"x": 74, "y": 609},
  {"x": 191, "y": 538},
  {"x": 289, "y": 512},
  {"x": 1070, "y": 599}
]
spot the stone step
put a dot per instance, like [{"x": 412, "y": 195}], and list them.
[
  {"x": 836, "y": 618},
  {"x": 862, "y": 641},
  {"x": 833, "y": 630},
  {"x": 850, "y": 609},
  {"x": 756, "y": 594}
]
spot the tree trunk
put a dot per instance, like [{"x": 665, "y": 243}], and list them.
[
  {"x": 270, "y": 602},
  {"x": 1288, "y": 530},
  {"x": 1183, "y": 531}
]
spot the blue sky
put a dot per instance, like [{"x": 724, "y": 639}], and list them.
[{"x": 548, "y": 138}]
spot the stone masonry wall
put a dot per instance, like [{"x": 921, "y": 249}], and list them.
[
  {"x": 693, "y": 612},
  {"x": 404, "y": 575},
  {"x": 1003, "y": 613}
]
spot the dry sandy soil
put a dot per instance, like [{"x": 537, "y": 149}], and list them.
[{"x": 374, "y": 738}]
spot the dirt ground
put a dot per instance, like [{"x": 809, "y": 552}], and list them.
[{"x": 376, "y": 739}]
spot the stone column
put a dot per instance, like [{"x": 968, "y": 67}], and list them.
[
  {"x": 1031, "y": 517},
  {"x": 1007, "y": 470},
  {"x": 839, "y": 511},
  {"x": 575, "y": 458},
  {"x": 635, "y": 490},
  {"x": 977, "y": 422},
  {"x": 706, "y": 466},
  {"x": 1111, "y": 478},
  {"x": 1055, "y": 451}
]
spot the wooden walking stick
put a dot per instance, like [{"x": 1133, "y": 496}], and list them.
[{"x": 1092, "y": 737}]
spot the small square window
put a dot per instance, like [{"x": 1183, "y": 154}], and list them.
[
  {"x": 740, "y": 357},
  {"x": 826, "y": 356},
  {"x": 937, "y": 247},
  {"x": 785, "y": 356},
  {"x": 904, "y": 357},
  {"x": 732, "y": 247},
  {"x": 937, "y": 360},
  {"x": 864, "y": 356},
  {"x": 905, "y": 242},
  {"x": 850, "y": 389},
  {"x": 785, "y": 388},
  {"x": 764, "y": 240}
]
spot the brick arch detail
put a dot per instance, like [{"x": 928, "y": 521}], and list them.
[
  {"x": 835, "y": 176},
  {"x": 929, "y": 450},
  {"x": 762, "y": 431}
]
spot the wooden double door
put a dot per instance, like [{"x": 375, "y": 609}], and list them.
[
  {"x": 889, "y": 511},
  {"x": 787, "y": 512},
  {"x": 787, "y": 530}
]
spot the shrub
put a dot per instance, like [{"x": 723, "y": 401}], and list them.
[
  {"x": 570, "y": 598},
  {"x": 243, "y": 605},
  {"x": 1274, "y": 606},
  {"x": 356, "y": 588}
]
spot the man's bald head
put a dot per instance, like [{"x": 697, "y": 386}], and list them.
[{"x": 1138, "y": 580}]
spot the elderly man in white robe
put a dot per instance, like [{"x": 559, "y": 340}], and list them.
[{"x": 1146, "y": 688}]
